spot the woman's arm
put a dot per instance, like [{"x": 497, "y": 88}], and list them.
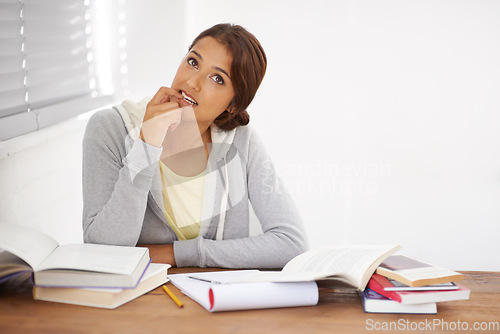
[
  {"x": 161, "y": 253},
  {"x": 115, "y": 183},
  {"x": 283, "y": 234}
]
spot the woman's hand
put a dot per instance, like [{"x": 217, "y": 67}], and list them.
[{"x": 161, "y": 114}]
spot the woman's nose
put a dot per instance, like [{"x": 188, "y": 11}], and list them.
[{"x": 195, "y": 82}]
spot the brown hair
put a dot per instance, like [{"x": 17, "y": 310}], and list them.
[{"x": 247, "y": 70}]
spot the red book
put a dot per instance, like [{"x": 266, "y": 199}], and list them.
[{"x": 378, "y": 283}]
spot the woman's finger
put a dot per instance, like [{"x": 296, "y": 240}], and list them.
[{"x": 163, "y": 95}]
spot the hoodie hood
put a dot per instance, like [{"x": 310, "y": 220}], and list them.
[{"x": 132, "y": 114}]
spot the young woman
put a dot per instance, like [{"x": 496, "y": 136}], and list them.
[{"x": 183, "y": 169}]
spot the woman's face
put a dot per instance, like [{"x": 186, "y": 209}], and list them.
[{"x": 203, "y": 78}]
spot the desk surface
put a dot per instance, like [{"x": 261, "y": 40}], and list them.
[{"x": 337, "y": 312}]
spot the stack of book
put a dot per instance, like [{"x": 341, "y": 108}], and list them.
[
  {"x": 404, "y": 285},
  {"x": 83, "y": 274}
]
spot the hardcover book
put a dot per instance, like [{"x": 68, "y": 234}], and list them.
[
  {"x": 374, "y": 302},
  {"x": 155, "y": 275},
  {"x": 415, "y": 273},
  {"x": 398, "y": 286},
  {"x": 75, "y": 265}
]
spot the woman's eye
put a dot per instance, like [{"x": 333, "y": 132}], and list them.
[
  {"x": 193, "y": 62},
  {"x": 218, "y": 79}
]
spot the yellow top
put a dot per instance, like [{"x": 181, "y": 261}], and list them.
[{"x": 183, "y": 201}]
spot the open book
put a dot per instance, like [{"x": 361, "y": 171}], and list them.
[
  {"x": 353, "y": 265},
  {"x": 76, "y": 265}
]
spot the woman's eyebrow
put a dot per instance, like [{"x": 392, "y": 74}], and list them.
[{"x": 216, "y": 67}]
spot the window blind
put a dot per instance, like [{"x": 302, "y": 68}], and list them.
[
  {"x": 46, "y": 61},
  {"x": 12, "y": 76}
]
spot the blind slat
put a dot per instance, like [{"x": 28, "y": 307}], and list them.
[
  {"x": 13, "y": 101},
  {"x": 37, "y": 61},
  {"x": 10, "y": 29},
  {"x": 10, "y": 11},
  {"x": 62, "y": 10},
  {"x": 58, "y": 46},
  {"x": 10, "y": 1},
  {"x": 50, "y": 75},
  {"x": 9, "y": 81},
  {"x": 41, "y": 95},
  {"x": 46, "y": 27},
  {"x": 10, "y": 46},
  {"x": 9, "y": 64}
]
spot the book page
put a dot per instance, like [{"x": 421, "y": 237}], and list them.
[
  {"x": 11, "y": 264},
  {"x": 355, "y": 262},
  {"x": 29, "y": 244},
  {"x": 92, "y": 257},
  {"x": 153, "y": 270}
]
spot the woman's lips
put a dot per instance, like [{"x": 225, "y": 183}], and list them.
[
  {"x": 188, "y": 98},
  {"x": 184, "y": 103}
]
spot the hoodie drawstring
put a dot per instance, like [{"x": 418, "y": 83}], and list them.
[{"x": 223, "y": 204}]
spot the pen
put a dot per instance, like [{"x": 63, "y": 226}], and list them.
[
  {"x": 204, "y": 280},
  {"x": 174, "y": 298}
]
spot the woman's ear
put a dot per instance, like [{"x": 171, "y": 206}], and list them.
[{"x": 230, "y": 108}]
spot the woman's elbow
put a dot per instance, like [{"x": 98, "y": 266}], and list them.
[
  {"x": 292, "y": 247},
  {"x": 94, "y": 236}
]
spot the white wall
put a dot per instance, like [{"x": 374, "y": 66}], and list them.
[
  {"x": 381, "y": 116},
  {"x": 40, "y": 180},
  {"x": 155, "y": 45}
]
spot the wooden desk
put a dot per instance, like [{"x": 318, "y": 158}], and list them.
[{"x": 337, "y": 312}]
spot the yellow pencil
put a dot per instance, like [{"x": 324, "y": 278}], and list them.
[{"x": 171, "y": 295}]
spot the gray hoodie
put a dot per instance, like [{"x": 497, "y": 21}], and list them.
[{"x": 123, "y": 205}]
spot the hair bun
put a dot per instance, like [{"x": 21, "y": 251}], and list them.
[
  {"x": 243, "y": 118},
  {"x": 228, "y": 121}
]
